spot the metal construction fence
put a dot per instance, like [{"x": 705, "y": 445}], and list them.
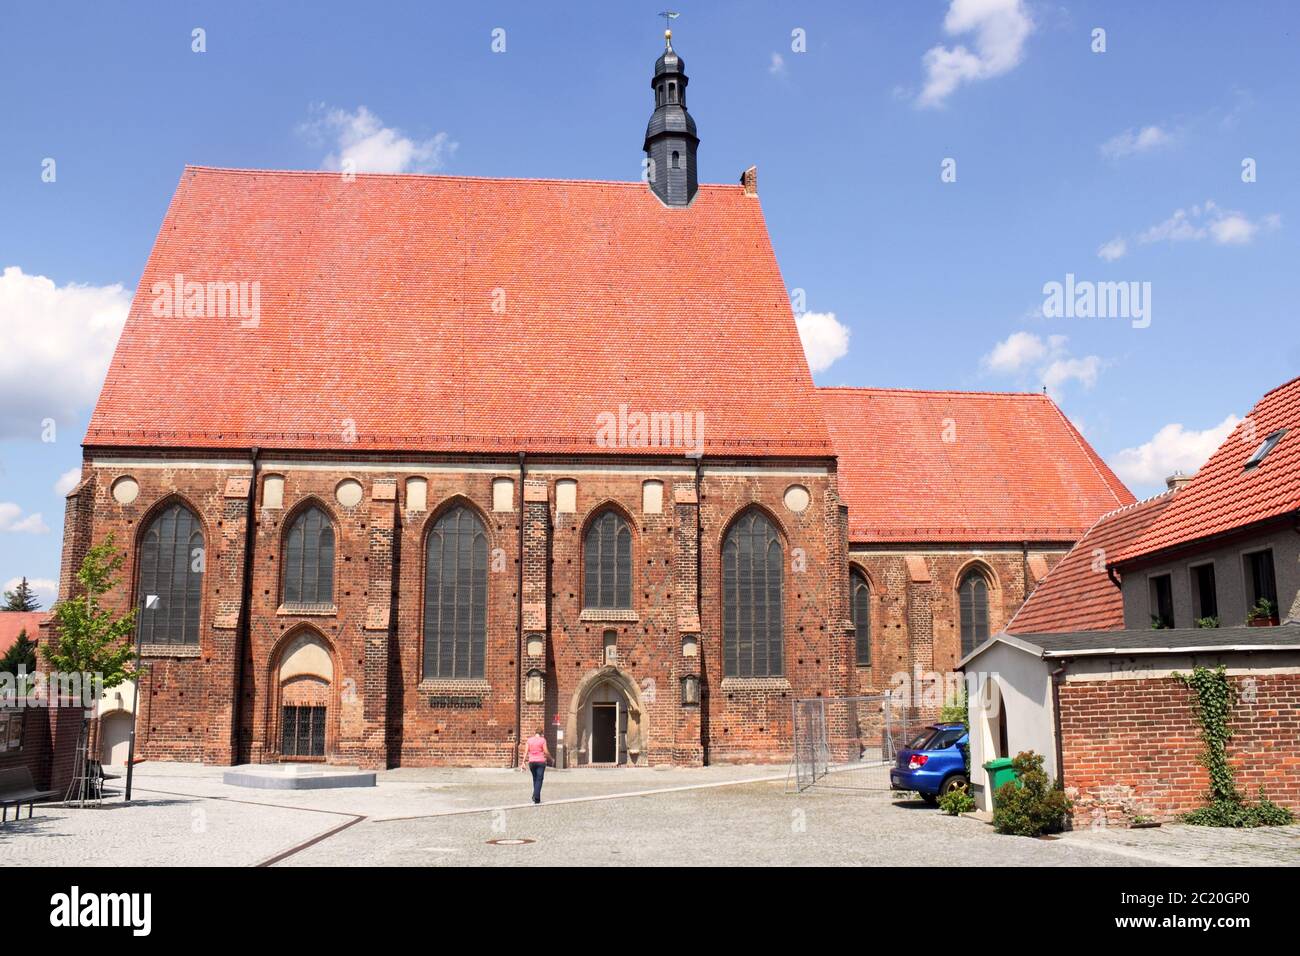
[{"x": 848, "y": 742}]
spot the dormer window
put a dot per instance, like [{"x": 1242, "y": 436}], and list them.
[{"x": 1262, "y": 451}]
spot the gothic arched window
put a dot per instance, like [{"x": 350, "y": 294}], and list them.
[
  {"x": 752, "y": 596},
  {"x": 455, "y": 597},
  {"x": 973, "y": 599},
  {"x": 171, "y": 568},
  {"x": 309, "y": 559},
  {"x": 607, "y": 560},
  {"x": 860, "y": 602},
  {"x": 677, "y": 160}
]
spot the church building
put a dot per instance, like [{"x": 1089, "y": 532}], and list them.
[{"x": 411, "y": 465}]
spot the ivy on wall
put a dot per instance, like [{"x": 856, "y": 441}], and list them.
[{"x": 1216, "y": 697}]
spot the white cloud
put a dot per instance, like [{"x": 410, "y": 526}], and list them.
[
  {"x": 824, "y": 339},
  {"x": 1208, "y": 221},
  {"x": 46, "y": 590},
  {"x": 1115, "y": 249},
  {"x": 58, "y": 343},
  {"x": 1000, "y": 28},
  {"x": 1016, "y": 352},
  {"x": 14, "y": 521},
  {"x": 777, "y": 66},
  {"x": 1063, "y": 371},
  {"x": 1134, "y": 141},
  {"x": 67, "y": 481},
  {"x": 1172, "y": 448},
  {"x": 363, "y": 144},
  {"x": 1026, "y": 356}
]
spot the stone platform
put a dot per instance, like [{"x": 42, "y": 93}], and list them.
[{"x": 295, "y": 776}]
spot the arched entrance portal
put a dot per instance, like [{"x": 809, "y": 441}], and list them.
[
  {"x": 607, "y": 723},
  {"x": 303, "y": 682}
]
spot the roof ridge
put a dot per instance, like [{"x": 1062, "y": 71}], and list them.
[
  {"x": 927, "y": 391},
  {"x": 637, "y": 184},
  {"x": 1277, "y": 388},
  {"x": 1135, "y": 504}
]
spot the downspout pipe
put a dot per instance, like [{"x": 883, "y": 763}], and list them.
[
  {"x": 519, "y": 622},
  {"x": 244, "y": 635},
  {"x": 1058, "y": 678},
  {"x": 699, "y": 524}
]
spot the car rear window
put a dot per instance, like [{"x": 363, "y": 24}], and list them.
[
  {"x": 944, "y": 739},
  {"x": 920, "y": 740}
]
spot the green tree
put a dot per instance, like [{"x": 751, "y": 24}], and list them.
[
  {"x": 22, "y": 653},
  {"x": 21, "y": 598},
  {"x": 89, "y": 639}
]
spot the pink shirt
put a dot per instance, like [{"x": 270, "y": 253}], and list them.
[{"x": 537, "y": 749}]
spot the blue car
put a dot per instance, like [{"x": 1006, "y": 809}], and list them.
[{"x": 933, "y": 763}]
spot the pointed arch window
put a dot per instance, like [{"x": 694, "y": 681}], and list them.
[
  {"x": 607, "y": 560},
  {"x": 171, "y": 568},
  {"x": 860, "y": 600},
  {"x": 309, "y": 559},
  {"x": 455, "y": 597},
  {"x": 973, "y": 599},
  {"x": 752, "y": 599}
]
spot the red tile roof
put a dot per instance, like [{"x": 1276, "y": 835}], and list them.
[
  {"x": 1078, "y": 595},
  {"x": 14, "y": 622},
  {"x": 377, "y": 311},
  {"x": 1225, "y": 495},
  {"x": 1015, "y": 469}
]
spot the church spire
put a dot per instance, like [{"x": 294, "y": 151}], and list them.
[{"x": 670, "y": 140}]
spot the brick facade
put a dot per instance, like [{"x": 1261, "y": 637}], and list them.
[
  {"x": 1131, "y": 747},
  {"x": 915, "y": 620},
  {"x": 381, "y": 711}
]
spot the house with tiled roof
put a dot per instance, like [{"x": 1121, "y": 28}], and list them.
[
  {"x": 1226, "y": 552},
  {"x": 406, "y": 467},
  {"x": 1205, "y": 575},
  {"x": 959, "y": 503}
]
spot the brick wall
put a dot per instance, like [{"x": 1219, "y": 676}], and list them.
[
  {"x": 382, "y": 710},
  {"x": 1130, "y": 747},
  {"x": 914, "y": 611},
  {"x": 49, "y": 747}
]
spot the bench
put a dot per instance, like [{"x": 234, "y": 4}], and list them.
[{"x": 17, "y": 788}]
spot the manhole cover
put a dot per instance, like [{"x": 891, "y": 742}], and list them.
[{"x": 515, "y": 842}]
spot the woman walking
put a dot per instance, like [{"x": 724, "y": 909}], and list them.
[{"x": 538, "y": 755}]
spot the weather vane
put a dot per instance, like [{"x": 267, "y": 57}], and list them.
[{"x": 669, "y": 16}]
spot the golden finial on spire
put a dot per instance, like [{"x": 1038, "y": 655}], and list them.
[{"x": 669, "y": 16}]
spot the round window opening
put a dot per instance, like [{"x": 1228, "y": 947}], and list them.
[
  {"x": 125, "y": 490},
  {"x": 797, "y": 498},
  {"x": 348, "y": 492}
]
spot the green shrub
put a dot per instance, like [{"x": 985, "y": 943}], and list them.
[
  {"x": 955, "y": 802},
  {"x": 1239, "y": 813},
  {"x": 1207, "y": 622},
  {"x": 956, "y": 710},
  {"x": 1030, "y": 805}
]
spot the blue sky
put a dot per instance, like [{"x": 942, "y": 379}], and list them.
[{"x": 1123, "y": 165}]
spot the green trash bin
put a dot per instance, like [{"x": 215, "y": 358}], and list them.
[{"x": 1000, "y": 771}]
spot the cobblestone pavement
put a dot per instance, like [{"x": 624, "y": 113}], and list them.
[
  {"x": 183, "y": 814},
  {"x": 1178, "y": 845},
  {"x": 754, "y": 824}
]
